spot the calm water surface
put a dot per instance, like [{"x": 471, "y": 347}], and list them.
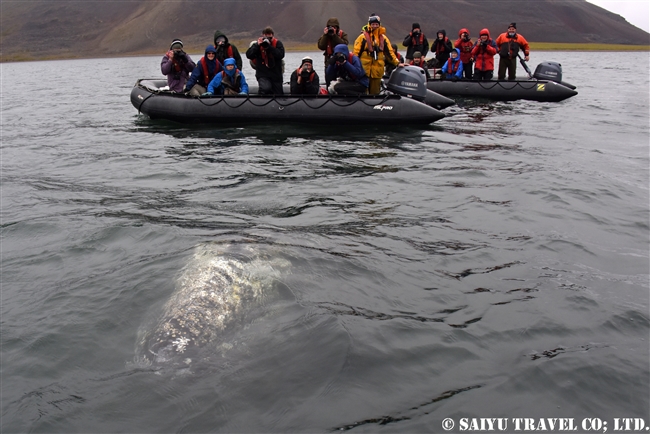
[{"x": 493, "y": 264}]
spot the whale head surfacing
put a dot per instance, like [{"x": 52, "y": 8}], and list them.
[{"x": 215, "y": 290}]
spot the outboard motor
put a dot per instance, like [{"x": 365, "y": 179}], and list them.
[
  {"x": 551, "y": 71},
  {"x": 409, "y": 81}
]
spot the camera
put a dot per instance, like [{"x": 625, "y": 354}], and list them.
[
  {"x": 331, "y": 30},
  {"x": 304, "y": 73},
  {"x": 340, "y": 57},
  {"x": 416, "y": 33},
  {"x": 266, "y": 43}
]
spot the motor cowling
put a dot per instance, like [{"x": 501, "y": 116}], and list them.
[
  {"x": 551, "y": 71},
  {"x": 410, "y": 81}
]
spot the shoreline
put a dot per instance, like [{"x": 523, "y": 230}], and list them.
[{"x": 534, "y": 46}]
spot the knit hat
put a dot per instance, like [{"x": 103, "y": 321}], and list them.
[
  {"x": 485, "y": 32},
  {"x": 176, "y": 43},
  {"x": 513, "y": 25},
  {"x": 210, "y": 49},
  {"x": 306, "y": 59},
  {"x": 374, "y": 19},
  {"x": 417, "y": 55},
  {"x": 334, "y": 22},
  {"x": 415, "y": 26}
]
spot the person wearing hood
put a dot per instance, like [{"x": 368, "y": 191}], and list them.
[
  {"x": 420, "y": 62},
  {"x": 225, "y": 49},
  {"x": 464, "y": 44},
  {"x": 441, "y": 47},
  {"x": 230, "y": 81},
  {"x": 267, "y": 53},
  {"x": 176, "y": 64},
  {"x": 508, "y": 46},
  {"x": 374, "y": 50},
  {"x": 206, "y": 68},
  {"x": 331, "y": 37},
  {"x": 304, "y": 80},
  {"x": 483, "y": 56},
  {"x": 415, "y": 41},
  {"x": 347, "y": 73},
  {"x": 453, "y": 68}
]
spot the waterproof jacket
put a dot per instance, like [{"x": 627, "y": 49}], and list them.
[
  {"x": 177, "y": 72},
  {"x": 380, "y": 44},
  {"x": 509, "y": 47},
  {"x": 202, "y": 66},
  {"x": 441, "y": 48},
  {"x": 327, "y": 42},
  {"x": 484, "y": 54},
  {"x": 453, "y": 68},
  {"x": 464, "y": 46},
  {"x": 311, "y": 86},
  {"x": 414, "y": 44},
  {"x": 351, "y": 70},
  {"x": 233, "y": 80},
  {"x": 268, "y": 61},
  {"x": 227, "y": 50}
]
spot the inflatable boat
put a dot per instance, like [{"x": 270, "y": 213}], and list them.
[
  {"x": 406, "y": 101},
  {"x": 545, "y": 85}
]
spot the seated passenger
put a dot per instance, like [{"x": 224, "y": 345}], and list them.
[
  {"x": 304, "y": 80},
  {"x": 176, "y": 65},
  {"x": 346, "y": 73},
  {"x": 418, "y": 60},
  {"x": 230, "y": 81},
  {"x": 453, "y": 68},
  {"x": 206, "y": 68},
  {"x": 390, "y": 67}
]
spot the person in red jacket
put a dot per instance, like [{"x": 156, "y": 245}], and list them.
[
  {"x": 483, "y": 56},
  {"x": 508, "y": 45},
  {"x": 464, "y": 44}
]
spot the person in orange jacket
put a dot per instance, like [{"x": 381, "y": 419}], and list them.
[
  {"x": 464, "y": 44},
  {"x": 483, "y": 56},
  {"x": 508, "y": 45}
]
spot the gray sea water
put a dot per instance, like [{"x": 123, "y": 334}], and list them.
[{"x": 494, "y": 264}]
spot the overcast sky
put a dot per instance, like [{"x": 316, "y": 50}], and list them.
[{"x": 636, "y": 12}]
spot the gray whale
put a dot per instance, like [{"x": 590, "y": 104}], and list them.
[{"x": 215, "y": 290}]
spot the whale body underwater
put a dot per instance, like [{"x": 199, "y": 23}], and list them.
[{"x": 214, "y": 291}]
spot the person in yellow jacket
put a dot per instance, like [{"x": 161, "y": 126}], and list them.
[{"x": 374, "y": 50}]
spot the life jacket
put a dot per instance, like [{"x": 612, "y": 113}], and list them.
[
  {"x": 453, "y": 66},
  {"x": 229, "y": 53},
  {"x": 440, "y": 46},
  {"x": 366, "y": 44},
  {"x": 330, "y": 50},
  {"x": 421, "y": 65},
  {"x": 311, "y": 76},
  {"x": 510, "y": 49},
  {"x": 206, "y": 74},
  {"x": 266, "y": 57},
  {"x": 414, "y": 42},
  {"x": 230, "y": 88}
]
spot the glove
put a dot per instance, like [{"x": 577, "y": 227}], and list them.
[
  {"x": 207, "y": 94},
  {"x": 454, "y": 78},
  {"x": 332, "y": 60},
  {"x": 243, "y": 93}
]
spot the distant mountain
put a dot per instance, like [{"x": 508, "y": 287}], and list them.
[{"x": 72, "y": 28}]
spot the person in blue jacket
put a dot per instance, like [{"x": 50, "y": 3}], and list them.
[
  {"x": 206, "y": 68},
  {"x": 230, "y": 81},
  {"x": 453, "y": 67},
  {"x": 346, "y": 73}
]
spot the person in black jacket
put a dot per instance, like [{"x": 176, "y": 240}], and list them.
[
  {"x": 441, "y": 47},
  {"x": 225, "y": 49},
  {"x": 415, "y": 41},
  {"x": 304, "y": 80},
  {"x": 267, "y": 54}
]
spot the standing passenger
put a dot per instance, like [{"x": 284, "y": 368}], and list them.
[
  {"x": 483, "y": 55},
  {"x": 225, "y": 49},
  {"x": 465, "y": 45},
  {"x": 331, "y": 37},
  {"x": 267, "y": 52},
  {"x": 374, "y": 50},
  {"x": 508, "y": 45},
  {"x": 415, "y": 41},
  {"x": 441, "y": 47},
  {"x": 176, "y": 65}
]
